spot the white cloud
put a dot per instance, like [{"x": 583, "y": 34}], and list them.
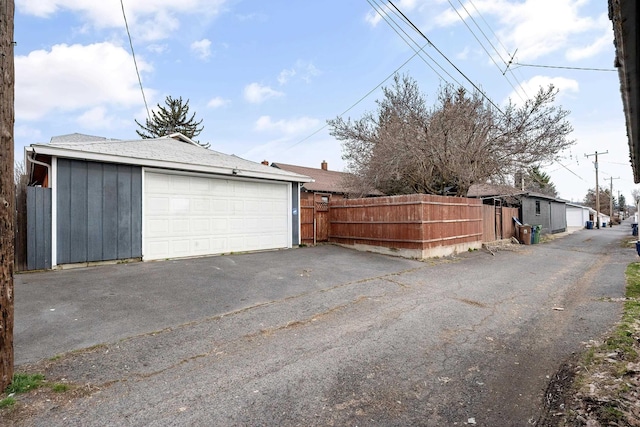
[
  {"x": 288, "y": 127},
  {"x": 533, "y": 85},
  {"x": 150, "y": 20},
  {"x": 99, "y": 118},
  {"x": 599, "y": 45},
  {"x": 535, "y": 27},
  {"x": 158, "y": 48},
  {"x": 218, "y": 102},
  {"x": 255, "y": 93},
  {"x": 464, "y": 54},
  {"x": 202, "y": 48},
  {"x": 76, "y": 77},
  {"x": 303, "y": 69},
  {"x": 28, "y": 133},
  {"x": 285, "y": 75}
]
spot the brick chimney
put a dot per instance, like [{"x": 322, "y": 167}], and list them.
[
  {"x": 324, "y": 165},
  {"x": 265, "y": 162}
]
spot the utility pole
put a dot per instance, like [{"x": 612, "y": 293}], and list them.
[
  {"x": 7, "y": 191},
  {"x": 611, "y": 198},
  {"x": 597, "y": 186}
]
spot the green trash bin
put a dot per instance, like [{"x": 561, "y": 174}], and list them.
[{"x": 535, "y": 233}]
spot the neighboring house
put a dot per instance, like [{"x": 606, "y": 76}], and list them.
[
  {"x": 330, "y": 184},
  {"x": 153, "y": 199},
  {"x": 578, "y": 215},
  {"x": 535, "y": 208},
  {"x": 604, "y": 220}
]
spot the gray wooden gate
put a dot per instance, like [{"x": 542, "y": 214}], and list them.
[{"x": 38, "y": 228}]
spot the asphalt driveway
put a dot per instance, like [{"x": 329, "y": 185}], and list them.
[
  {"x": 318, "y": 336},
  {"x": 60, "y": 311}
]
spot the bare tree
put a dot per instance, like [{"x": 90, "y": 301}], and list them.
[
  {"x": 407, "y": 147},
  {"x": 604, "y": 198}
]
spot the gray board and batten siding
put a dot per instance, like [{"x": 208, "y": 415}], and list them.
[
  {"x": 99, "y": 211},
  {"x": 551, "y": 214}
]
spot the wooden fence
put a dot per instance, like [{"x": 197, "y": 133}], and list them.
[
  {"x": 417, "y": 225},
  {"x": 497, "y": 223},
  {"x": 314, "y": 219},
  {"x": 20, "y": 226}
]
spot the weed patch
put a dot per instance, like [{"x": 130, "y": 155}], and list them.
[
  {"x": 605, "y": 388},
  {"x": 7, "y": 402},
  {"x": 22, "y": 383},
  {"x": 59, "y": 387}
]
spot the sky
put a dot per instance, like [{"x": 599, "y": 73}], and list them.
[{"x": 265, "y": 76}]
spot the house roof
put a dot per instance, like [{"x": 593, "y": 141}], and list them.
[
  {"x": 170, "y": 152},
  {"x": 499, "y": 190},
  {"x": 323, "y": 180},
  {"x": 76, "y": 137}
]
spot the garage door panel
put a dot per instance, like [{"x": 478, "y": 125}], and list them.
[
  {"x": 189, "y": 216},
  {"x": 180, "y": 227}
]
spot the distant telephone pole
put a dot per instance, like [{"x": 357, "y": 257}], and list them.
[
  {"x": 597, "y": 186},
  {"x": 7, "y": 191},
  {"x": 611, "y": 197}
]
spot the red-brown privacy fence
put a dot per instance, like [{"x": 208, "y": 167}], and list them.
[{"x": 417, "y": 225}]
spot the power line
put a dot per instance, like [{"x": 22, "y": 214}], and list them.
[
  {"x": 571, "y": 171},
  {"x": 446, "y": 58},
  {"x": 135, "y": 62},
  {"x": 490, "y": 29},
  {"x": 482, "y": 45},
  {"x": 390, "y": 21},
  {"x": 363, "y": 97},
  {"x": 564, "y": 68},
  {"x": 492, "y": 45}
]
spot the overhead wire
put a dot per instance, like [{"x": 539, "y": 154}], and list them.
[
  {"x": 395, "y": 26},
  {"x": 481, "y": 92},
  {"x": 135, "y": 62},
  {"x": 417, "y": 52},
  {"x": 564, "y": 67},
  {"x": 363, "y": 97},
  {"x": 464, "y": 21},
  {"x": 492, "y": 45},
  {"x": 509, "y": 55}
]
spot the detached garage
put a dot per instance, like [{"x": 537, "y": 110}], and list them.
[{"x": 153, "y": 199}]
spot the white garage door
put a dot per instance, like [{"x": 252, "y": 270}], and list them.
[
  {"x": 574, "y": 217},
  {"x": 192, "y": 215}
]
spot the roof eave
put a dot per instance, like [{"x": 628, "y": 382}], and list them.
[
  {"x": 624, "y": 16},
  {"x": 162, "y": 164}
]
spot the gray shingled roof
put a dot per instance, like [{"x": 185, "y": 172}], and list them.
[
  {"x": 176, "y": 153},
  {"x": 76, "y": 137}
]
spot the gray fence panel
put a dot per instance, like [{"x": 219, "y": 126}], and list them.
[{"x": 38, "y": 228}]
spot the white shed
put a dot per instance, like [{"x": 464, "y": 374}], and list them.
[{"x": 577, "y": 215}]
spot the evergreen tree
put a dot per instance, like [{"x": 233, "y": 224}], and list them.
[
  {"x": 539, "y": 181},
  {"x": 171, "y": 118}
]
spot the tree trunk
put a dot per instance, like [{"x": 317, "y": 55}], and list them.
[{"x": 7, "y": 191}]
